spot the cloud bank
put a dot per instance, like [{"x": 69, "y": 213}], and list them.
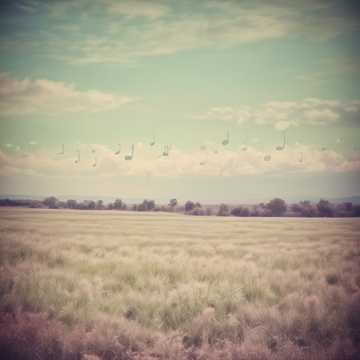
[{"x": 148, "y": 162}]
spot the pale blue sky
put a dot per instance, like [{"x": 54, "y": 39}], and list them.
[{"x": 102, "y": 73}]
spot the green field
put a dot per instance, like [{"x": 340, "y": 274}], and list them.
[{"x": 127, "y": 285}]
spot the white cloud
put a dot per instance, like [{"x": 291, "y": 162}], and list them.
[
  {"x": 321, "y": 117},
  {"x": 282, "y": 115},
  {"x": 282, "y": 125},
  {"x": 147, "y": 162},
  {"x": 48, "y": 97}
]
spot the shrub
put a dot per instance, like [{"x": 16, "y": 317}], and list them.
[
  {"x": 197, "y": 211},
  {"x": 30, "y": 336},
  {"x": 332, "y": 279},
  {"x": 36, "y": 205},
  {"x": 353, "y": 318}
]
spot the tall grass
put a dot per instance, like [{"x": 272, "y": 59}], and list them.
[{"x": 129, "y": 285}]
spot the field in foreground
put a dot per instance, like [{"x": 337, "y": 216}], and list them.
[{"x": 117, "y": 285}]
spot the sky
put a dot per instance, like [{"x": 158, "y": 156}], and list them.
[{"x": 83, "y": 81}]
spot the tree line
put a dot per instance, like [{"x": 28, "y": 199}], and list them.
[{"x": 275, "y": 207}]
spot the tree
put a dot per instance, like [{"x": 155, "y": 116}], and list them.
[
  {"x": 304, "y": 208},
  {"x": 324, "y": 208},
  {"x": 189, "y": 205},
  {"x": 223, "y": 210},
  {"x": 100, "y": 205},
  {"x": 356, "y": 211},
  {"x": 51, "y": 202},
  {"x": 61, "y": 204},
  {"x": 141, "y": 207},
  {"x": 173, "y": 203},
  {"x": 118, "y": 204},
  {"x": 71, "y": 204},
  {"x": 307, "y": 209},
  {"x": 146, "y": 205},
  {"x": 277, "y": 206},
  {"x": 151, "y": 205},
  {"x": 91, "y": 205},
  {"x": 87, "y": 205},
  {"x": 348, "y": 206},
  {"x": 296, "y": 208},
  {"x": 240, "y": 211},
  {"x": 344, "y": 209}
]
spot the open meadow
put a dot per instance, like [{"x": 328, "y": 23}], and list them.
[{"x": 127, "y": 285}]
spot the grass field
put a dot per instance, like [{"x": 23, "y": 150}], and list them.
[{"x": 121, "y": 285}]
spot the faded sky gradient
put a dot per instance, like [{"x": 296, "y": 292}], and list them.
[{"x": 92, "y": 75}]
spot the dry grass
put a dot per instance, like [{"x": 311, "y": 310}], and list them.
[{"x": 143, "y": 286}]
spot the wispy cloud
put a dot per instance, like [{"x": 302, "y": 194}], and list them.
[
  {"x": 334, "y": 67},
  {"x": 283, "y": 114},
  {"x": 343, "y": 65},
  {"x": 48, "y": 97},
  {"x": 223, "y": 28},
  {"x": 141, "y": 28},
  {"x": 166, "y": 37},
  {"x": 137, "y": 8},
  {"x": 28, "y": 6}
]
